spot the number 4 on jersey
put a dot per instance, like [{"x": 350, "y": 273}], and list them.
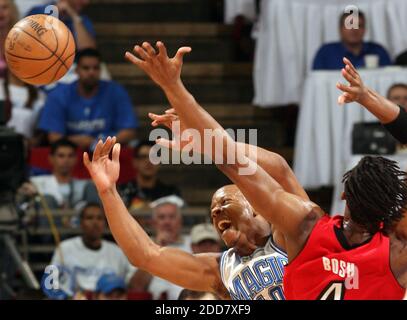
[{"x": 335, "y": 290}]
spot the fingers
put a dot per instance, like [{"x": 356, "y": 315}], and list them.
[
  {"x": 349, "y": 77},
  {"x": 97, "y": 152},
  {"x": 346, "y": 88},
  {"x": 134, "y": 60},
  {"x": 116, "y": 153},
  {"x": 162, "y": 50},
  {"x": 181, "y": 52},
  {"x": 142, "y": 53},
  {"x": 149, "y": 49},
  {"x": 86, "y": 160},
  {"x": 350, "y": 65},
  {"x": 106, "y": 147},
  {"x": 171, "y": 111}
]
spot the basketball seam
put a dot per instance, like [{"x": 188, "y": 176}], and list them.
[
  {"x": 28, "y": 58},
  {"x": 63, "y": 63},
  {"x": 73, "y": 53},
  {"x": 44, "y": 45}
]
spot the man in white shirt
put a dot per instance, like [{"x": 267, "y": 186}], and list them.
[
  {"x": 61, "y": 189},
  {"x": 167, "y": 225},
  {"x": 87, "y": 257}
]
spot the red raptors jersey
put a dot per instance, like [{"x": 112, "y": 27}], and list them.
[{"x": 327, "y": 268}]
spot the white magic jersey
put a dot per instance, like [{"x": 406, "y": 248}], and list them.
[{"x": 255, "y": 277}]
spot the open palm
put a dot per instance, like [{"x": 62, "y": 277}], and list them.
[{"x": 103, "y": 170}]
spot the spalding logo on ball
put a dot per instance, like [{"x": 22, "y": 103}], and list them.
[{"x": 40, "y": 49}]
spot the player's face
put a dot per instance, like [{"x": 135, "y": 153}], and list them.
[
  {"x": 354, "y": 36},
  {"x": 78, "y": 5},
  {"x": 89, "y": 71},
  {"x": 231, "y": 215},
  {"x": 167, "y": 222},
  {"x": 63, "y": 161},
  {"x": 143, "y": 164},
  {"x": 93, "y": 223},
  {"x": 5, "y": 14},
  {"x": 398, "y": 95}
]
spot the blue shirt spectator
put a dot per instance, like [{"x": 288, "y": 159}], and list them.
[
  {"x": 89, "y": 108},
  {"x": 69, "y": 12},
  {"x": 352, "y": 31},
  {"x": 329, "y": 56}
]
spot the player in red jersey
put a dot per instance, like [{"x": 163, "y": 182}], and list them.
[{"x": 359, "y": 256}]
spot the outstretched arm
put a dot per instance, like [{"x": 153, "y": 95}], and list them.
[
  {"x": 195, "y": 272},
  {"x": 290, "y": 214},
  {"x": 274, "y": 164},
  {"x": 387, "y": 112}
]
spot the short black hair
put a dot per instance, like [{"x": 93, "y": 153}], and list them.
[
  {"x": 394, "y": 86},
  {"x": 63, "y": 142},
  {"x": 87, "y": 206},
  {"x": 347, "y": 14},
  {"x": 89, "y": 52},
  {"x": 142, "y": 143},
  {"x": 376, "y": 193}
]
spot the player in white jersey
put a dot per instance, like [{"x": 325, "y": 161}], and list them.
[
  {"x": 258, "y": 276},
  {"x": 246, "y": 233}
]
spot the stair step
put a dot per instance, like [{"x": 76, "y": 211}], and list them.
[
  {"x": 230, "y": 91},
  {"x": 204, "y": 49},
  {"x": 159, "y": 30},
  {"x": 189, "y": 70},
  {"x": 156, "y": 11}
]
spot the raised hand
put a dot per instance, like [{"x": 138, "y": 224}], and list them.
[
  {"x": 159, "y": 67},
  {"x": 103, "y": 170},
  {"x": 356, "y": 90},
  {"x": 180, "y": 133}
]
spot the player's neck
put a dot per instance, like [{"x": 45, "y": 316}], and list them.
[
  {"x": 354, "y": 48},
  {"x": 147, "y": 182},
  {"x": 354, "y": 233},
  {"x": 87, "y": 92},
  {"x": 62, "y": 178}
]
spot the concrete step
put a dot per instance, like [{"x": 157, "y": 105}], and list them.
[{"x": 156, "y": 11}]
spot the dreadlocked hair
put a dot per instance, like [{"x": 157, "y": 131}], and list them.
[{"x": 376, "y": 193}]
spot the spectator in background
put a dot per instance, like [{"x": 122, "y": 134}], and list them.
[
  {"x": 70, "y": 12},
  {"x": 110, "y": 287},
  {"x": 146, "y": 186},
  {"x": 61, "y": 189},
  {"x": 24, "y": 103},
  {"x": 89, "y": 109},
  {"x": 397, "y": 93},
  {"x": 204, "y": 238},
  {"x": 8, "y": 17},
  {"x": 167, "y": 226},
  {"x": 330, "y": 56},
  {"x": 87, "y": 257}
]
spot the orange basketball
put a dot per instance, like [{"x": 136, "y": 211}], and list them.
[{"x": 40, "y": 49}]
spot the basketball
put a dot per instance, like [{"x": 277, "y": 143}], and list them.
[{"x": 39, "y": 49}]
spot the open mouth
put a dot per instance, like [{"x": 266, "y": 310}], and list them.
[{"x": 224, "y": 225}]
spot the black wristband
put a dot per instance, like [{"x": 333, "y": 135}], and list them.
[{"x": 398, "y": 127}]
